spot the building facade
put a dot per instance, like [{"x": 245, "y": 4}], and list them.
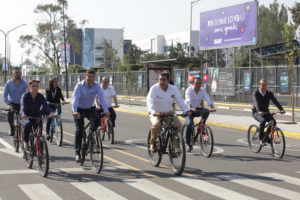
[{"x": 93, "y": 45}]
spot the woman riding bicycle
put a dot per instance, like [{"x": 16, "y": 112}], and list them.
[
  {"x": 53, "y": 97},
  {"x": 31, "y": 103}
]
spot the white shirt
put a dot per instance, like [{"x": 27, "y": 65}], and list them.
[
  {"x": 109, "y": 92},
  {"x": 194, "y": 99},
  {"x": 159, "y": 100}
]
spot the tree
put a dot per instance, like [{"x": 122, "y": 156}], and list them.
[
  {"x": 111, "y": 60},
  {"x": 295, "y": 10},
  {"x": 291, "y": 55},
  {"x": 133, "y": 55},
  {"x": 50, "y": 33},
  {"x": 179, "y": 51}
]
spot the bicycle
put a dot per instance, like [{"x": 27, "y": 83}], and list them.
[
  {"x": 18, "y": 133},
  {"x": 37, "y": 148},
  {"x": 169, "y": 141},
  {"x": 206, "y": 137},
  {"x": 92, "y": 144},
  {"x": 57, "y": 126},
  {"x": 107, "y": 128},
  {"x": 272, "y": 135}
]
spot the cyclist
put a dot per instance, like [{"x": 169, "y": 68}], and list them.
[
  {"x": 194, "y": 95},
  {"x": 109, "y": 93},
  {"x": 260, "y": 111},
  {"x": 31, "y": 103},
  {"x": 83, "y": 100},
  {"x": 13, "y": 91},
  {"x": 159, "y": 101},
  {"x": 53, "y": 95}
]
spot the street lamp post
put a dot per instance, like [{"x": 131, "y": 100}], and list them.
[
  {"x": 5, "y": 36},
  {"x": 193, "y": 2},
  {"x": 65, "y": 48}
]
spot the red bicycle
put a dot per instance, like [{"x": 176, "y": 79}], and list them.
[
  {"x": 206, "y": 138},
  {"x": 18, "y": 135},
  {"x": 106, "y": 128}
]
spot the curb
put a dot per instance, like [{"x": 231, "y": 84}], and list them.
[{"x": 219, "y": 124}]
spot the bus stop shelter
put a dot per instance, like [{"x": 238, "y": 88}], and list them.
[{"x": 155, "y": 67}]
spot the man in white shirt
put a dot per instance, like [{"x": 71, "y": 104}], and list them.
[
  {"x": 194, "y": 95},
  {"x": 159, "y": 101},
  {"x": 109, "y": 94}
]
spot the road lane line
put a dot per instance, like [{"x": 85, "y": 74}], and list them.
[
  {"x": 38, "y": 192},
  {"x": 4, "y": 143},
  {"x": 287, "y": 179},
  {"x": 154, "y": 189},
  {"x": 20, "y": 171},
  {"x": 264, "y": 187},
  {"x": 211, "y": 189},
  {"x": 11, "y": 152},
  {"x": 97, "y": 191}
]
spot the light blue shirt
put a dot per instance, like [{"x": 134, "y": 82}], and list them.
[
  {"x": 13, "y": 93},
  {"x": 84, "y": 97}
]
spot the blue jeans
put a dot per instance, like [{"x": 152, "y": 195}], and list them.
[
  {"x": 190, "y": 122},
  {"x": 262, "y": 122},
  {"x": 57, "y": 110}
]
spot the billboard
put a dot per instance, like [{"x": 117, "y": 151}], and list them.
[
  {"x": 247, "y": 81},
  {"x": 284, "y": 82},
  {"x": 62, "y": 53},
  {"x": 229, "y": 26},
  {"x": 222, "y": 81}
]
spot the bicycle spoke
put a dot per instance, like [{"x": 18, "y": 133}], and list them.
[
  {"x": 253, "y": 139},
  {"x": 278, "y": 143},
  {"x": 96, "y": 151}
]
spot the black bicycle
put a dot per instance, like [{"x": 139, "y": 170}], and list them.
[
  {"x": 169, "y": 141},
  {"x": 56, "y": 126},
  {"x": 273, "y": 135},
  {"x": 37, "y": 148},
  {"x": 92, "y": 144}
]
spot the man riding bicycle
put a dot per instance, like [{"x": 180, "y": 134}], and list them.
[
  {"x": 31, "y": 107},
  {"x": 109, "y": 94},
  {"x": 83, "y": 104},
  {"x": 13, "y": 91},
  {"x": 194, "y": 95},
  {"x": 159, "y": 101},
  {"x": 260, "y": 111}
]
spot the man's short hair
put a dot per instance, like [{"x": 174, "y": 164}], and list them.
[
  {"x": 16, "y": 68},
  {"x": 31, "y": 81},
  {"x": 104, "y": 78},
  {"x": 90, "y": 72},
  {"x": 261, "y": 81},
  {"x": 166, "y": 74},
  {"x": 196, "y": 78}
]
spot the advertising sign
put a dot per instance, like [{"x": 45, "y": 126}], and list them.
[
  {"x": 154, "y": 75},
  {"x": 192, "y": 75},
  {"x": 247, "y": 81},
  {"x": 4, "y": 65},
  {"x": 140, "y": 81},
  {"x": 62, "y": 53},
  {"x": 222, "y": 81},
  {"x": 229, "y": 26},
  {"x": 284, "y": 82}
]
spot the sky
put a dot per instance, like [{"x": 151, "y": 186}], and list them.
[{"x": 140, "y": 19}]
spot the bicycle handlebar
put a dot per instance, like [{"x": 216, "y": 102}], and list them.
[{"x": 56, "y": 104}]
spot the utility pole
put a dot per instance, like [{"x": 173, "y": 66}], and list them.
[{"x": 65, "y": 48}]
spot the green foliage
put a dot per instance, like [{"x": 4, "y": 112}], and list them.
[
  {"x": 133, "y": 55},
  {"x": 73, "y": 68},
  {"x": 295, "y": 10},
  {"x": 111, "y": 59},
  {"x": 152, "y": 56},
  {"x": 179, "y": 51}
]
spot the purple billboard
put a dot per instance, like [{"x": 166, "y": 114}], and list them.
[{"x": 229, "y": 26}]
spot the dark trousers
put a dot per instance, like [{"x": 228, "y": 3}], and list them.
[
  {"x": 262, "y": 122},
  {"x": 189, "y": 122},
  {"x": 57, "y": 110},
  {"x": 92, "y": 115},
  {"x": 28, "y": 127},
  {"x": 11, "y": 116}
]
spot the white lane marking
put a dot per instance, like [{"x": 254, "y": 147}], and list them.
[
  {"x": 20, "y": 171},
  {"x": 96, "y": 190},
  {"x": 11, "y": 152},
  {"x": 38, "y": 192},
  {"x": 132, "y": 99},
  {"x": 144, "y": 100},
  {"x": 247, "y": 109},
  {"x": 154, "y": 189},
  {"x": 288, "y": 113},
  {"x": 4, "y": 143},
  {"x": 287, "y": 179},
  {"x": 211, "y": 189},
  {"x": 224, "y": 107},
  {"x": 274, "y": 190},
  {"x": 217, "y": 150}
]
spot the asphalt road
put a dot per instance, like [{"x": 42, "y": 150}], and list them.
[{"x": 233, "y": 171}]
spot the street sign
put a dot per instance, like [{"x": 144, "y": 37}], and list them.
[
  {"x": 62, "y": 53},
  {"x": 4, "y": 65}
]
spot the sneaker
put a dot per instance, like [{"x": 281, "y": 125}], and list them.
[
  {"x": 11, "y": 133},
  {"x": 26, "y": 146},
  {"x": 78, "y": 158},
  {"x": 189, "y": 148},
  {"x": 48, "y": 137}
]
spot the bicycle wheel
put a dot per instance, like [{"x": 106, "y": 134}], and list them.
[
  {"x": 42, "y": 156},
  {"x": 253, "y": 138},
  {"x": 177, "y": 154},
  {"x": 110, "y": 131},
  {"x": 58, "y": 131},
  {"x": 154, "y": 157},
  {"x": 96, "y": 151},
  {"x": 28, "y": 154},
  {"x": 51, "y": 130},
  {"x": 83, "y": 148},
  {"x": 278, "y": 143},
  {"x": 16, "y": 138},
  {"x": 206, "y": 141}
]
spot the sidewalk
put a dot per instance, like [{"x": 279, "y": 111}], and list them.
[{"x": 226, "y": 121}]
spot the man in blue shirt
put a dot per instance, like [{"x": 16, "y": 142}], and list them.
[
  {"x": 83, "y": 106},
  {"x": 13, "y": 91}
]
